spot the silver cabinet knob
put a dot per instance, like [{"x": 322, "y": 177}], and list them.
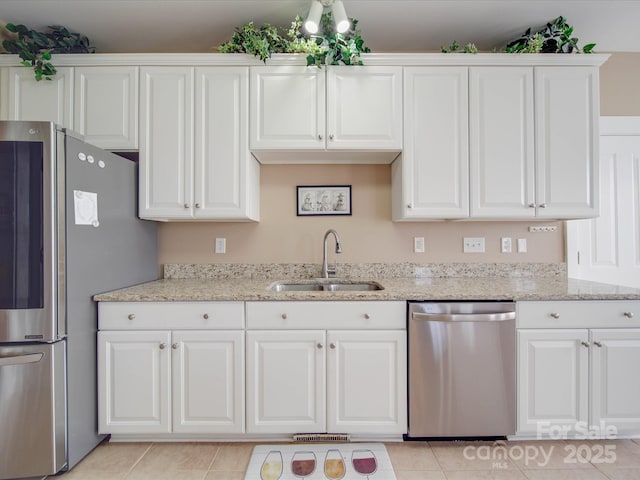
[
  {"x": 543, "y": 205},
  {"x": 555, "y": 315},
  {"x": 597, "y": 344},
  {"x": 284, "y": 316},
  {"x": 174, "y": 346},
  {"x": 409, "y": 205},
  {"x": 163, "y": 346},
  {"x": 186, "y": 205},
  {"x": 320, "y": 136},
  {"x": 628, "y": 314},
  {"x": 197, "y": 205},
  {"x": 131, "y": 316},
  {"x": 367, "y": 316},
  {"x": 332, "y": 346},
  {"x": 532, "y": 205},
  {"x": 205, "y": 316},
  {"x": 319, "y": 345},
  {"x": 585, "y": 344},
  {"x": 331, "y": 137}
]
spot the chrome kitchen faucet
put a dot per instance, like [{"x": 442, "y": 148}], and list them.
[{"x": 326, "y": 270}]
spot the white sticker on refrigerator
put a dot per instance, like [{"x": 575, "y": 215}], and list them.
[{"x": 85, "y": 206}]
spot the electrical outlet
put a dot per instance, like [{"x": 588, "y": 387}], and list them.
[
  {"x": 473, "y": 245},
  {"x": 505, "y": 244},
  {"x": 221, "y": 245},
  {"x": 522, "y": 245},
  {"x": 418, "y": 244}
]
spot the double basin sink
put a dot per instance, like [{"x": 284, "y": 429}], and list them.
[{"x": 324, "y": 285}]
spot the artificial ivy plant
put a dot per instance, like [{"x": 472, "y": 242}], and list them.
[
  {"x": 328, "y": 47},
  {"x": 35, "y": 48}
]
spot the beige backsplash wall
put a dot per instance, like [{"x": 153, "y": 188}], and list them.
[{"x": 369, "y": 235}]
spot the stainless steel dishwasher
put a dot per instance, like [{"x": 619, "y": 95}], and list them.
[{"x": 462, "y": 369}]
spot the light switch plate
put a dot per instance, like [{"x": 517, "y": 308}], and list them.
[
  {"x": 418, "y": 244},
  {"x": 221, "y": 245},
  {"x": 505, "y": 244}
]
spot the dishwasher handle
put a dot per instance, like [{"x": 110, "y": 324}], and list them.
[
  {"x": 20, "y": 359},
  {"x": 464, "y": 317}
]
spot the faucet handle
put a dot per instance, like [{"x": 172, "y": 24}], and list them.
[{"x": 332, "y": 270}]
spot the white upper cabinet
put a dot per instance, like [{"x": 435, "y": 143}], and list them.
[
  {"x": 106, "y": 106},
  {"x": 501, "y": 142},
  {"x": 567, "y": 115},
  {"x": 194, "y": 160},
  {"x": 431, "y": 178},
  {"x": 337, "y": 108},
  {"x": 46, "y": 100}
]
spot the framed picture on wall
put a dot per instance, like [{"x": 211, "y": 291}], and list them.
[{"x": 323, "y": 200}]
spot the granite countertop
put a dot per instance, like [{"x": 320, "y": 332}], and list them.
[{"x": 401, "y": 288}]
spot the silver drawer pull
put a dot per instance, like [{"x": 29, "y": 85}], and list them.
[
  {"x": 163, "y": 346},
  {"x": 205, "y": 316},
  {"x": 131, "y": 316},
  {"x": 21, "y": 359},
  {"x": 597, "y": 344},
  {"x": 555, "y": 315},
  {"x": 628, "y": 314},
  {"x": 585, "y": 344},
  {"x": 284, "y": 316}
]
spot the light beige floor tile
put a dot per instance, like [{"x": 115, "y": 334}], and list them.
[
  {"x": 412, "y": 456},
  {"x": 113, "y": 457},
  {"x": 512, "y": 474},
  {"x": 89, "y": 475},
  {"x": 167, "y": 475},
  {"x": 232, "y": 457},
  {"x": 419, "y": 475},
  {"x": 612, "y": 453},
  {"x": 616, "y": 473},
  {"x": 550, "y": 454},
  {"x": 471, "y": 456},
  {"x": 564, "y": 474},
  {"x": 172, "y": 457},
  {"x": 225, "y": 476}
]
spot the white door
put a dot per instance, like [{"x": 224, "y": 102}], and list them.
[
  {"x": 431, "y": 177},
  {"x": 46, "y": 100},
  {"x": 501, "y": 145},
  {"x": 552, "y": 379},
  {"x": 367, "y": 382},
  {"x": 133, "y": 382},
  {"x": 106, "y": 106},
  {"x": 286, "y": 377},
  {"x": 287, "y": 108},
  {"x": 364, "y": 108},
  {"x": 607, "y": 249},
  {"x": 166, "y": 142},
  {"x": 208, "y": 381},
  {"x": 615, "y": 383},
  {"x": 225, "y": 178},
  {"x": 567, "y": 112}
]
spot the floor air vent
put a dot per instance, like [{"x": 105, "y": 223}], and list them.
[{"x": 321, "y": 437}]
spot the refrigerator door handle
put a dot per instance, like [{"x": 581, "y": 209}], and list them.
[
  {"x": 465, "y": 317},
  {"x": 21, "y": 359}
]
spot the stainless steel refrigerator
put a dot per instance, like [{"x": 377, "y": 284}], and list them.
[{"x": 68, "y": 230}]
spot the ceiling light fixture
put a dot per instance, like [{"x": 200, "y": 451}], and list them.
[{"x": 312, "y": 24}]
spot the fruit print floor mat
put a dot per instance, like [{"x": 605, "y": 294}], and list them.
[{"x": 309, "y": 461}]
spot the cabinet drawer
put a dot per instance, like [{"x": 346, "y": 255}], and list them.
[
  {"x": 170, "y": 315},
  {"x": 326, "y": 315},
  {"x": 579, "y": 314}
]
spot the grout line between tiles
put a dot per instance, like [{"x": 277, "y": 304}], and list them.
[
  {"x": 213, "y": 459},
  {"x": 138, "y": 461}
]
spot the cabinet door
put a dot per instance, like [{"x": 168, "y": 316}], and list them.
[
  {"x": 287, "y": 108},
  {"x": 166, "y": 142},
  {"x": 286, "y": 381},
  {"x": 46, "y": 100},
  {"x": 208, "y": 381},
  {"x": 552, "y": 379},
  {"x": 367, "y": 382},
  {"x": 106, "y": 106},
  {"x": 567, "y": 114},
  {"x": 364, "y": 108},
  {"x": 615, "y": 383},
  {"x": 431, "y": 178},
  {"x": 501, "y": 156},
  {"x": 133, "y": 382},
  {"x": 226, "y": 178}
]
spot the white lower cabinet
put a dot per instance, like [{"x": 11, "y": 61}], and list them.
[
  {"x": 578, "y": 380},
  {"x": 170, "y": 381},
  {"x": 307, "y": 379}
]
